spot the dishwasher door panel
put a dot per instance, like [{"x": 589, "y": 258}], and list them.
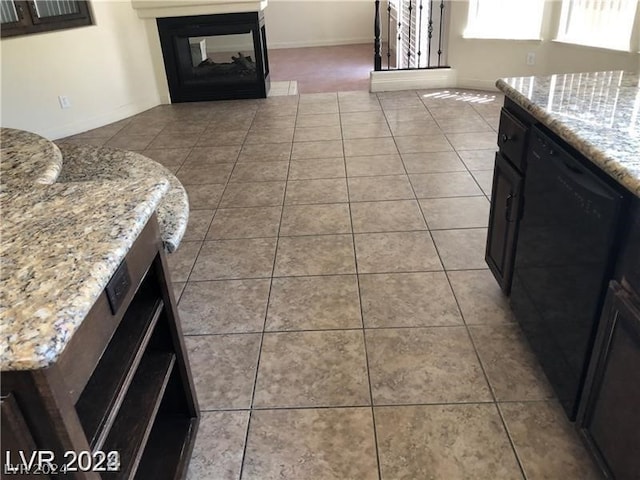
[{"x": 563, "y": 262}]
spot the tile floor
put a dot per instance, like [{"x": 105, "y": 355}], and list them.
[{"x": 340, "y": 319}]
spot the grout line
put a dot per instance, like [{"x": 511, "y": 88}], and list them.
[
  {"x": 364, "y": 340},
  {"x": 266, "y": 314}
]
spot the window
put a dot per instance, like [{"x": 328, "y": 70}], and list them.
[
  {"x": 22, "y": 17},
  {"x": 598, "y": 23},
  {"x": 505, "y": 19}
]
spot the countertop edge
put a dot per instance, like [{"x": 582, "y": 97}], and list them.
[{"x": 609, "y": 165}]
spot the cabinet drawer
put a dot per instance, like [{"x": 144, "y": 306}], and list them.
[{"x": 512, "y": 139}]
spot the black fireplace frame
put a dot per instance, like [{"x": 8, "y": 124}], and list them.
[{"x": 174, "y": 38}]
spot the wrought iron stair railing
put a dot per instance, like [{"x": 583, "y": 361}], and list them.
[{"x": 412, "y": 36}]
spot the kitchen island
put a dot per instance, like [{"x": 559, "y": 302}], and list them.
[
  {"x": 92, "y": 355},
  {"x": 563, "y": 241}
]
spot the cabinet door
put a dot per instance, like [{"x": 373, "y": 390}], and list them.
[
  {"x": 609, "y": 416},
  {"x": 503, "y": 221}
]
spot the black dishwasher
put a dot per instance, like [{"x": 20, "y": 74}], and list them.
[{"x": 568, "y": 231}]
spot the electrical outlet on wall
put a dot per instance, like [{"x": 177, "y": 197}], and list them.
[
  {"x": 531, "y": 58},
  {"x": 64, "y": 101}
]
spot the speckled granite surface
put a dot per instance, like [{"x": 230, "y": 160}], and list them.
[
  {"x": 88, "y": 163},
  {"x": 27, "y": 158},
  {"x": 596, "y": 113},
  {"x": 60, "y": 246}
]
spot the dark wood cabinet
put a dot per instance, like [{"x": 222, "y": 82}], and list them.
[
  {"x": 503, "y": 220},
  {"x": 609, "y": 416},
  {"x": 122, "y": 384},
  {"x": 506, "y": 192}
]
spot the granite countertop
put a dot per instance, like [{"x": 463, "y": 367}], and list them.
[
  {"x": 596, "y": 113},
  {"x": 27, "y": 158},
  {"x": 61, "y": 244}
]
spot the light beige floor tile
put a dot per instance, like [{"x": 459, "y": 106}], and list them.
[
  {"x": 444, "y": 442},
  {"x": 319, "y": 149},
  {"x": 416, "y": 114},
  {"x": 169, "y": 157},
  {"x": 224, "y": 306},
  {"x": 408, "y": 300},
  {"x": 201, "y": 156},
  {"x": 312, "y": 134},
  {"x": 461, "y": 249},
  {"x": 307, "y": 369},
  {"x": 315, "y": 219},
  {"x": 311, "y": 444},
  {"x": 130, "y": 142},
  {"x": 440, "y": 185},
  {"x": 175, "y": 140},
  {"x": 473, "y": 141},
  {"x": 261, "y": 152},
  {"x": 369, "y": 146},
  {"x": 360, "y": 118},
  {"x": 216, "y": 137},
  {"x": 260, "y": 172},
  {"x": 394, "y": 187},
  {"x": 424, "y": 365},
  {"x": 455, "y": 212},
  {"x": 546, "y": 442},
  {"x": 315, "y": 255},
  {"x": 332, "y": 190},
  {"x": 223, "y": 368},
  {"x": 366, "y": 130},
  {"x": 432, "y": 162},
  {"x": 181, "y": 261},
  {"x": 320, "y": 168},
  {"x": 465, "y": 124},
  {"x": 204, "y": 196},
  {"x": 283, "y": 121},
  {"x": 314, "y": 303},
  {"x": 388, "y": 216},
  {"x": 478, "y": 159},
  {"x": 400, "y": 103},
  {"x": 252, "y": 222},
  {"x": 396, "y": 252},
  {"x": 374, "y": 165},
  {"x": 258, "y": 194},
  {"x": 269, "y": 135},
  {"x": 484, "y": 179},
  {"x": 199, "y": 221},
  {"x": 511, "y": 367},
  {"x": 480, "y": 298},
  {"x": 414, "y": 127},
  {"x": 319, "y": 120},
  {"x": 199, "y": 174},
  {"x": 219, "y": 447},
  {"x": 178, "y": 288},
  {"x": 423, "y": 143},
  {"x": 232, "y": 259},
  {"x": 315, "y": 108}
]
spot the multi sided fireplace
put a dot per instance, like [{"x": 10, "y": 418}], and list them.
[{"x": 215, "y": 57}]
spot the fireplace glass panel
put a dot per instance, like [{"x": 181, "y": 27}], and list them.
[{"x": 222, "y": 59}]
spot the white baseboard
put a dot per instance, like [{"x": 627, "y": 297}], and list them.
[
  {"x": 392, "y": 80},
  {"x": 476, "y": 84},
  {"x": 79, "y": 126},
  {"x": 321, "y": 43}
]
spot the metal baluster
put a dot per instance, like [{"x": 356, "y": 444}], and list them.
[
  {"x": 440, "y": 32},
  {"x": 377, "y": 58},
  {"x": 388, "y": 34},
  {"x": 430, "y": 30},
  {"x": 419, "y": 33},
  {"x": 409, "y": 37}
]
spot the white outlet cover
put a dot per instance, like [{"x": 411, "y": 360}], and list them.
[{"x": 64, "y": 101}]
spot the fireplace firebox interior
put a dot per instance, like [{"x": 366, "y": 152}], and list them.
[{"x": 215, "y": 57}]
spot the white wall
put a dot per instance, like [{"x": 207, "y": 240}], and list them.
[
  {"x": 105, "y": 69},
  {"x": 479, "y": 63},
  {"x": 310, "y": 23}
]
